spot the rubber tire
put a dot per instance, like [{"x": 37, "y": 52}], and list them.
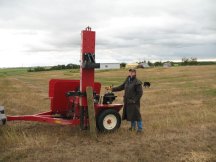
[
  {"x": 101, "y": 117},
  {"x": 4, "y": 121}
]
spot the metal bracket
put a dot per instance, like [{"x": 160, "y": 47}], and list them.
[
  {"x": 78, "y": 93},
  {"x": 89, "y": 61},
  {"x": 89, "y": 65},
  {"x": 75, "y": 93}
]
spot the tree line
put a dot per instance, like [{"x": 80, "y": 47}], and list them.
[
  {"x": 57, "y": 67},
  {"x": 184, "y": 62}
]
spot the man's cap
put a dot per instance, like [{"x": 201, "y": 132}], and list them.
[{"x": 132, "y": 70}]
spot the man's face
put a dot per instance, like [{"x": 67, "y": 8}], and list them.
[{"x": 132, "y": 73}]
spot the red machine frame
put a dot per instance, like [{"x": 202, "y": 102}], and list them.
[{"x": 68, "y": 97}]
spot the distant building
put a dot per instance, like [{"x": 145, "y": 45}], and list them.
[
  {"x": 104, "y": 66},
  {"x": 132, "y": 65},
  {"x": 167, "y": 64},
  {"x": 137, "y": 65},
  {"x": 144, "y": 65}
]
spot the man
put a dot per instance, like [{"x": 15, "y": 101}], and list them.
[{"x": 132, "y": 96}]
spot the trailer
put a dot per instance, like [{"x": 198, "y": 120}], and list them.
[{"x": 68, "y": 98}]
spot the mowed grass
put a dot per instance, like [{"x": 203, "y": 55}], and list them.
[
  {"x": 178, "y": 111},
  {"x": 12, "y": 71}
]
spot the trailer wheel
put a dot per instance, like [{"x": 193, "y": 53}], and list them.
[
  {"x": 4, "y": 121},
  {"x": 108, "y": 120}
]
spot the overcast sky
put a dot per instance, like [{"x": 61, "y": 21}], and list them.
[{"x": 47, "y": 32}]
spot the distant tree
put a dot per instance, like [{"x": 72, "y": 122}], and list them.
[
  {"x": 72, "y": 66},
  {"x": 57, "y": 67},
  {"x": 185, "y": 61},
  {"x": 29, "y": 70},
  {"x": 189, "y": 61},
  {"x": 150, "y": 63},
  {"x": 172, "y": 63},
  {"x": 158, "y": 64},
  {"x": 123, "y": 65},
  {"x": 193, "y": 61},
  {"x": 39, "y": 68}
]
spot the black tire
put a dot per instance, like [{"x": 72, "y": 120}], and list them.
[
  {"x": 108, "y": 120},
  {"x": 4, "y": 121}
]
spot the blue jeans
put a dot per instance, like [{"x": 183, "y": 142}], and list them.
[{"x": 139, "y": 124}]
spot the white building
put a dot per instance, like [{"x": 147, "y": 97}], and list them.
[
  {"x": 137, "y": 65},
  {"x": 132, "y": 65},
  {"x": 145, "y": 65},
  {"x": 167, "y": 64},
  {"x": 104, "y": 66}
]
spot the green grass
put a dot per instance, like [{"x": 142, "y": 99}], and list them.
[
  {"x": 12, "y": 71},
  {"x": 178, "y": 111},
  {"x": 210, "y": 92},
  {"x": 107, "y": 81}
]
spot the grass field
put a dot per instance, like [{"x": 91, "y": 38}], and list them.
[{"x": 178, "y": 111}]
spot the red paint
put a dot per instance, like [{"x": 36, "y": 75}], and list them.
[
  {"x": 60, "y": 103},
  {"x": 87, "y": 75}
]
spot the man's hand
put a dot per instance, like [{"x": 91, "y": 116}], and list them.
[{"x": 109, "y": 88}]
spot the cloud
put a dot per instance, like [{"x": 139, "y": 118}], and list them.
[{"x": 46, "y": 32}]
